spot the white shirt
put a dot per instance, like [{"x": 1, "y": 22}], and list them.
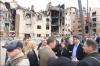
[{"x": 74, "y": 51}]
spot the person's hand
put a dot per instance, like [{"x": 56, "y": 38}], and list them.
[{"x": 75, "y": 60}]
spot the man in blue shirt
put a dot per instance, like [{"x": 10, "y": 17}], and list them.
[{"x": 77, "y": 51}]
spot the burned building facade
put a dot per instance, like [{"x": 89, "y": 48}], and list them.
[
  {"x": 8, "y": 15},
  {"x": 57, "y": 19}
]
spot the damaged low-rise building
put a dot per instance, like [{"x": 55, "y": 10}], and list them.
[{"x": 32, "y": 24}]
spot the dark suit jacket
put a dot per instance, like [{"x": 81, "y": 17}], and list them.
[
  {"x": 88, "y": 61},
  {"x": 80, "y": 53},
  {"x": 64, "y": 52},
  {"x": 56, "y": 49},
  {"x": 33, "y": 58},
  {"x": 70, "y": 49}
]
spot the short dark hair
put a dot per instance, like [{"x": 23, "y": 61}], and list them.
[
  {"x": 25, "y": 38},
  {"x": 77, "y": 36},
  {"x": 92, "y": 43},
  {"x": 50, "y": 40}
]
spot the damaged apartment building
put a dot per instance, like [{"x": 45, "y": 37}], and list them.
[
  {"x": 32, "y": 24},
  {"x": 28, "y": 23},
  {"x": 21, "y": 22},
  {"x": 42, "y": 23},
  {"x": 57, "y": 19},
  {"x": 8, "y": 18}
]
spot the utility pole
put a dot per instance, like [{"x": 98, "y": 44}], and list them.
[
  {"x": 88, "y": 19},
  {"x": 81, "y": 17},
  {"x": 87, "y": 8}
]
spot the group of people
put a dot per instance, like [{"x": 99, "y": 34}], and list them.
[{"x": 52, "y": 53}]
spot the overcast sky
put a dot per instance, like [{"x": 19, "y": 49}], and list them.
[{"x": 41, "y": 4}]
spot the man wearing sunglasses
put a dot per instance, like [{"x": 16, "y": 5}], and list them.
[{"x": 15, "y": 54}]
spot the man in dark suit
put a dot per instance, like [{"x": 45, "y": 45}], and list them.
[
  {"x": 77, "y": 50},
  {"x": 93, "y": 57}
]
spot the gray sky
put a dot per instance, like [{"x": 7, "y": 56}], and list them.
[{"x": 41, "y": 4}]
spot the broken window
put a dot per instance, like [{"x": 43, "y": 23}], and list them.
[
  {"x": 94, "y": 19},
  {"x": 47, "y": 35},
  {"x": 27, "y": 35},
  {"x": 28, "y": 15},
  {"x": 54, "y": 13},
  {"x": 86, "y": 29},
  {"x": 7, "y": 26},
  {"x": 94, "y": 30},
  {"x": 69, "y": 30},
  {"x": 79, "y": 26},
  {"x": 47, "y": 20},
  {"x": 38, "y": 35},
  {"x": 54, "y": 29},
  {"x": 55, "y": 21},
  {"x": 63, "y": 29},
  {"x": 80, "y": 30},
  {"x": 94, "y": 14},
  {"x": 94, "y": 25},
  {"x": 13, "y": 11},
  {"x": 38, "y": 27},
  {"x": 39, "y": 17},
  {"x": 47, "y": 27}
]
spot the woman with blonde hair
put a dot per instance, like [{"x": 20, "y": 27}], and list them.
[
  {"x": 31, "y": 53},
  {"x": 31, "y": 45}
]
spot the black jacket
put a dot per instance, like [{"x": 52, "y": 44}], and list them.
[
  {"x": 32, "y": 58},
  {"x": 64, "y": 52},
  {"x": 57, "y": 48},
  {"x": 90, "y": 61},
  {"x": 70, "y": 49}
]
